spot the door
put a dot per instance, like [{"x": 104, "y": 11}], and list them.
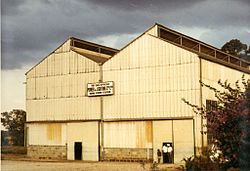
[
  {"x": 78, "y": 150},
  {"x": 167, "y": 152}
]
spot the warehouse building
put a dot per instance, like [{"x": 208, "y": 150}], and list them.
[{"x": 85, "y": 101}]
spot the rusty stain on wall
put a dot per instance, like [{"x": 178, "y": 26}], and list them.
[
  {"x": 149, "y": 131},
  {"x": 144, "y": 135},
  {"x": 139, "y": 139},
  {"x": 54, "y": 132}
]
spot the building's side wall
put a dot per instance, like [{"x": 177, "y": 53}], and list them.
[
  {"x": 46, "y": 140},
  {"x": 57, "y": 88},
  {"x": 211, "y": 74},
  {"x": 87, "y": 133},
  {"x": 151, "y": 77}
]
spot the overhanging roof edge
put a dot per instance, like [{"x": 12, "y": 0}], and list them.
[
  {"x": 200, "y": 42},
  {"x": 207, "y": 57}
]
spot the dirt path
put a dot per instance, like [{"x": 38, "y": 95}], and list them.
[{"x": 19, "y": 165}]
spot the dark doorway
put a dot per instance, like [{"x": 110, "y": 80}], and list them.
[
  {"x": 168, "y": 152},
  {"x": 78, "y": 150}
]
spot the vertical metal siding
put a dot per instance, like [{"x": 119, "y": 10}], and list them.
[
  {"x": 154, "y": 71},
  {"x": 212, "y": 73},
  {"x": 183, "y": 139},
  {"x": 88, "y": 135},
  {"x": 128, "y": 134},
  {"x": 64, "y": 47},
  {"x": 179, "y": 132},
  {"x": 30, "y": 88},
  {"x": 77, "y": 108},
  {"x": 56, "y": 88},
  {"x": 47, "y": 134}
]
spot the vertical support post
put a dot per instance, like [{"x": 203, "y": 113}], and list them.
[
  {"x": 173, "y": 142},
  {"x": 202, "y": 135},
  {"x": 101, "y": 115},
  {"x": 195, "y": 154}
]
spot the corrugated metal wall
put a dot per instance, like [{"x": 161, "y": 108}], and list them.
[
  {"x": 183, "y": 139},
  {"x": 130, "y": 134},
  {"x": 57, "y": 88},
  {"x": 66, "y": 134},
  {"x": 178, "y": 132},
  {"x": 151, "y": 76},
  {"x": 163, "y": 132},
  {"x": 153, "y": 31},
  {"x": 87, "y": 133},
  {"x": 212, "y": 72},
  {"x": 46, "y": 134},
  {"x": 64, "y": 47}
]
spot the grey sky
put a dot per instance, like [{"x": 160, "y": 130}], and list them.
[{"x": 33, "y": 28}]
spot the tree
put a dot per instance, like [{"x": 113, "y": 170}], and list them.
[
  {"x": 228, "y": 123},
  {"x": 237, "y": 48},
  {"x": 14, "y": 122},
  {"x": 4, "y": 138}
]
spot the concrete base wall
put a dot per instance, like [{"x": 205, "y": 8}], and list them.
[
  {"x": 47, "y": 152},
  {"x": 128, "y": 154}
]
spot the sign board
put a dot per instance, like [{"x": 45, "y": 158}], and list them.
[{"x": 100, "y": 89}]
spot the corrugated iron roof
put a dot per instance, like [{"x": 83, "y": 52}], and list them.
[
  {"x": 202, "y": 49},
  {"x": 102, "y": 53}
]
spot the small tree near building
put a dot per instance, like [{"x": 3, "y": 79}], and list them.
[
  {"x": 236, "y": 47},
  {"x": 228, "y": 123},
  {"x": 14, "y": 122}
]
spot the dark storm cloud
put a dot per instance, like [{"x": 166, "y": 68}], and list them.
[
  {"x": 150, "y": 5},
  {"x": 11, "y": 7},
  {"x": 32, "y": 29}
]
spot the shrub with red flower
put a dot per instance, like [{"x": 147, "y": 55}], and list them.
[{"x": 228, "y": 123}]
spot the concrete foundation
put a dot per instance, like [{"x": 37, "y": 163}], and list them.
[
  {"x": 47, "y": 152},
  {"x": 128, "y": 154}
]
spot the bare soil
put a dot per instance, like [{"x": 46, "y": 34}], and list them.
[{"x": 21, "y": 163}]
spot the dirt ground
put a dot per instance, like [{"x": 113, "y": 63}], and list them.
[{"x": 17, "y": 163}]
